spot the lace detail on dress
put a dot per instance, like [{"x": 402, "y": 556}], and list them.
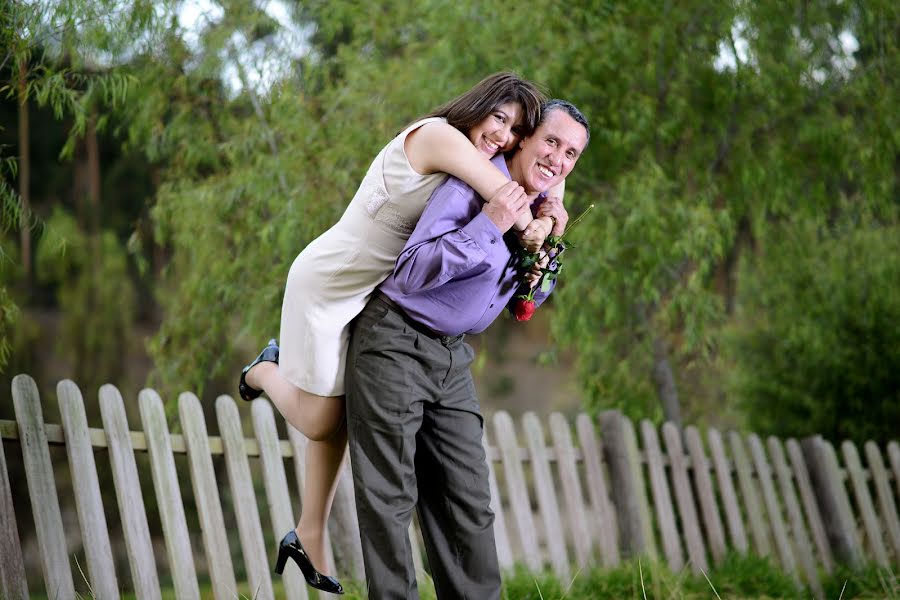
[
  {"x": 390, "y": 216},
  {"x": 375, "y": 196}
]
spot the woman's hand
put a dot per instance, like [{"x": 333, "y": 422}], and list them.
[
  {"x": 553, "y": 208},
  {"x": 532, "y": 238},
  {"x": 534, "y": 275}
]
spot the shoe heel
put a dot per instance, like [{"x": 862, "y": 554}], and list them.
[{"x": 282, "y": 558}]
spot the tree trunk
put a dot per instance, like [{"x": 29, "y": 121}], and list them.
[
  {"x": 664, "y": 379},
  {"x": 93, "y": 164},
  {"x": 24, "y": 174}
]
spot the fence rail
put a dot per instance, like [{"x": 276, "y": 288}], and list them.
[{"x": 565, "y": 495}]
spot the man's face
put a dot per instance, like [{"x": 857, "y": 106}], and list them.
[{"x": 547, "y": 156}]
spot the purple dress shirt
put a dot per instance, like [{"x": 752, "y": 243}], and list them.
[{"x": 458, "y": 271}]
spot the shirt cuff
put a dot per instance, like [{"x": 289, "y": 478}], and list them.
[{"x": 483, "y": 231}]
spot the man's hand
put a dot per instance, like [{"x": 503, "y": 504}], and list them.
[
  {"x": 504, "y": 207},
  {"x": 553, "y": 207}
]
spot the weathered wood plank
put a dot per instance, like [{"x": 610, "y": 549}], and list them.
[
  {"x": 206, "y": 497},
  {"x": 416, "y": 548},
  {"x": 886, "y": 505},
  {"x": 345, "y": 526},
  {"x": 42, "y": 489},
  {"x": 864, "y": 502},
  {"x": 706, "y": 496},
  {"x": 91, "y": 518},
  {"x": 277, "y": 496},
  {"x": 13, "y": 583},
  {"x": 517, "y": 491},
  {"x": 810, "y": 505},
  {"x": 629, "y": 494},
  {"x": 545, "y": 488},
  {"x": 773, "y": 508},
  {"x": 662, "y": 500},
  {"x": 168, "y": 495},
  {"x": 606, "y": 531},
  {"x": 684, "y": 497},
  {"x": 129, "y": 497},
  {"x": 571, "y": 487},
  {"x": 504, "y": 551},
  {"x": 834, "y": 505},
  {"x": 733, "y": 519},
  {"x": 893, "y": 449},
  {"x": 749, "y": 493},
  {"x": 243, "y": 495},
  {"x": 795, "y": 516}
]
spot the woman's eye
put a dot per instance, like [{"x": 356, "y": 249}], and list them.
[{"x": 500, "y": 118}]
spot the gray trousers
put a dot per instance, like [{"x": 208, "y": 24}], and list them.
[{"x": 415, "y": 432}]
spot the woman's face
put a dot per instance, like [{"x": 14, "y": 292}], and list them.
[{"x": 498, "y": 132}]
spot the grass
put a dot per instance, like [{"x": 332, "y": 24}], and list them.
[{"x": 738, "y": 577}]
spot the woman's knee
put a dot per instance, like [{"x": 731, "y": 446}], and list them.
[{"x": 327, "y": 423}]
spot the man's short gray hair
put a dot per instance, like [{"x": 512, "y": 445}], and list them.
[{"x": 570, "y": 109}]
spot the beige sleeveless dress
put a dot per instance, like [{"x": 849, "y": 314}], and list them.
[{"x": 332, "y": 279}]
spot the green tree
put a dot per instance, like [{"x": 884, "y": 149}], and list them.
[
  {"x": 50, "y": 53},
  {"x": 816, "y": 347}
]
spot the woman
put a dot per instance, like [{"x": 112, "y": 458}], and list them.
[{"x": 331, "y": 280}]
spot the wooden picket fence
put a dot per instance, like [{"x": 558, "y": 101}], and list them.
[{"x": 561, "y": 505}]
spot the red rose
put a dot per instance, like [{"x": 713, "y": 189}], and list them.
[{"x": 524, "y": 309}]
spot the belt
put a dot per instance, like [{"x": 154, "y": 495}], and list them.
[{"x": 444, "y": 339}]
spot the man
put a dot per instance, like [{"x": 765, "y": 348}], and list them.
[{"x": 414, "y": 420}]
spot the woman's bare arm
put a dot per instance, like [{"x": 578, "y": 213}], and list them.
[{"x": 438, "y": 147}]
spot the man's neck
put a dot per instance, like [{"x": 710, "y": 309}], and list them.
[{"x": 515, "y": 173}]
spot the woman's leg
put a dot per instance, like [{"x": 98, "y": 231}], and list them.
[
  {"x": 324, "y": 459},
  {"x": 321, "y": 419}
]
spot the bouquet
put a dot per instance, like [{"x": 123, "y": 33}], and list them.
[{"x": 553, "y": 248}]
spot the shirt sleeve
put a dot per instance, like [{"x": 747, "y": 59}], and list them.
[{"x": 447, "y": 241}]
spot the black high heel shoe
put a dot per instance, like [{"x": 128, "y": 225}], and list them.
[
  {"x": 290, "y": 547},
  {"x": 268, "y": 354}
]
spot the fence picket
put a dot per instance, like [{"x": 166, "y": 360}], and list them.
[
  {"x": 571, "y": 487},
  {"x": 519, "y": 502},
  {"x": 690, "y": 524},
  {"x": 275, "y": 483},
  {"x": 206, "y": 496},
  {"x": 345, "y": 529},
  {"x": 712, "y": 520},
  {"x": 92, "y": 520},
  {"x": 665, "y": 513},
  {"x": 864, "y": 502},
  {"x": 773, "y": 509},
  {"x": 627, "y": 484},
  {"x": 886, "y": 505},
  {"x": 168, "y": 495},
  {"x": 810, "y": 506},
  {"x": 733, "y": 518},
  {"x": 606, "y": 531},
  {"x": 129, "y": 497},
  {"x": 788, "y": 495},
  {"x": 504, "y": 552},
  {"x": 243, "y": 496},
  {"x": 545, "y": 488},
  {"x": 42, "y": 489},
  {"x": 825, "y": 474},
  {"x": 750, "y": 495},
  {"x": 894, "y": 455},
  {"x": 13, "y": 583}
]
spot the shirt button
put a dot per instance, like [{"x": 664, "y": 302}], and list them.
[
  {"x": 493, "y": 240},
  {"x": 492, "y": 306}
]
